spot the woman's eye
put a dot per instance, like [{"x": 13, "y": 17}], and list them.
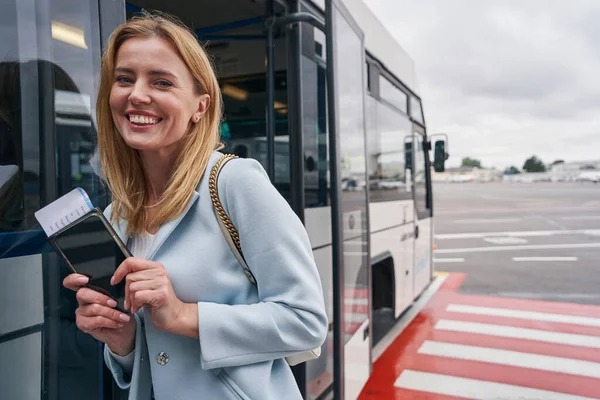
[
  {"x": 124, "y": 79},
  {"x": 162, "y": 83}
]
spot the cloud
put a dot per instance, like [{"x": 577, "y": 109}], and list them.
[{"x": 505, "y": 79}]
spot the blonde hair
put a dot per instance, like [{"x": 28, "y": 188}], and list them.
[{"x": 121, "y": 165}]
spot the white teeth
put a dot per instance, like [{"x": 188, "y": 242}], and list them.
[{"x": 141, "y": 119}]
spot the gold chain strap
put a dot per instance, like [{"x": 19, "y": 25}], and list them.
[{"x": 214, "y": 196}]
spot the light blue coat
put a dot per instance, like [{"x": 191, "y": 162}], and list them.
[{"x": 245, "y": 330}]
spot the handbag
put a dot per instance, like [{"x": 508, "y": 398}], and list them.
[{"x": 233, "y": 240}]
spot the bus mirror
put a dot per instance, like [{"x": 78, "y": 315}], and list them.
[{"x": 439, "y": 156}]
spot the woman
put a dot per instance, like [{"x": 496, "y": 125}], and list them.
[{"x": 199, "y": 328}]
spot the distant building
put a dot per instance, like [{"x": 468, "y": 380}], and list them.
[
  {"x": 467, "y": 174},
  {"x": 576, "y": 171}
]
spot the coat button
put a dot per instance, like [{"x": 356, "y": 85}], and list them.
[{"x": 162, "y": 358}]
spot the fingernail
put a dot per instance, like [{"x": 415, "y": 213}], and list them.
[
  {"x": 124, "y": 317},
  {"x": 120, "y": 325},
  {"x": 111, "y": 303},
  {"x": 112, "y": 280},
  {"x": 82, "y": 280},
  {"x": 125, "y": 305}
]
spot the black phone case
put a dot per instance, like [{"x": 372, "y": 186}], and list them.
[{"x": 97, "y": 213}]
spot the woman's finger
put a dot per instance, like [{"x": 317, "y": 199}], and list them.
[
  {"x": 152, "y": 274},
  {"x": 98, "y": 310},
  {"x": 135, "y": 302},
  {"x": 131, "y": 264},
  {"x": 75, "y": 281},
  {"x": 146, "y": 297},
  {"x": 88, "y": 296},
  {"x": 90, "y": 324},
  {"x": 144, "y": 274},
  {"x": 148, "y": 275},
  {"x": 147, "y": 284}
]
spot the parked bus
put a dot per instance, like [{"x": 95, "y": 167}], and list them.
[{"x": 355, "y": 167}]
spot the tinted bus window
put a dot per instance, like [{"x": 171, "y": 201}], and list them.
[
  {"x": 423, "y": 209},
  {"x": 49, "y": 60}
]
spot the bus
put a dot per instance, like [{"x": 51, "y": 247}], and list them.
[{"x": 318, "y": 91}]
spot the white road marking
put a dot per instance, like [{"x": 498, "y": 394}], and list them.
[
  {"x": 474, "y": 388},
  {"x": 487, "y": 221},
  {"x": 503, "y": 211},
  {"x": 512, "y": 332},
  {"x": 523, "y": 247},
  {"x": 357, "y": 301},
  {"x": 448, "y": 260},
  {"x": 519, "y": 259},
  {"x": 511, "y": 358},
  {"x": 555, "y": 296},
  {"x": 505, "y": 240},
  {"x": 582, "y": 217},
  {"x": 593, "y": 232},
  {"x": 531, "y": 315}
]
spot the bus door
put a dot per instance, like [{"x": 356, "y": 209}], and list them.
[
  {"x": 350, "y": 91},
  {"x": 345, "y": 366},
  {"x": 423, "y": 221}
]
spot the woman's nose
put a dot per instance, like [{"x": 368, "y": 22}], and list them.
[{"x": 139, "y": 94}]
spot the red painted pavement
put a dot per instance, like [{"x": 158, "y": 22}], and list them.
[{"x": 403, "y": 353}]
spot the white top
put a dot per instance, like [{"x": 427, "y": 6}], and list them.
[{"x": 141, "y": 245}]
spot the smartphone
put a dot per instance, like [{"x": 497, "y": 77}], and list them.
[{"x": 91, "y": 247}]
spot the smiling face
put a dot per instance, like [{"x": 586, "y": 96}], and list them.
[{"x": 153, "y": 99}]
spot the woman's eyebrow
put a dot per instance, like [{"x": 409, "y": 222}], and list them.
[{"x": 154, "y": 72}]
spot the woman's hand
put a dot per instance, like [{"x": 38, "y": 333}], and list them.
[
  {"x": 97, "y": 317},
  {"x": 148, "y": 285}
]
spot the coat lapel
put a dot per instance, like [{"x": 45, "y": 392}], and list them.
[{"x": 165, "y": 231}]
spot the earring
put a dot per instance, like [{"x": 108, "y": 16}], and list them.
[{"x": 196, "y": 119}]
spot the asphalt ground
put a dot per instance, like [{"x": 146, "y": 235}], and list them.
[{"x": 521, "y": 240}]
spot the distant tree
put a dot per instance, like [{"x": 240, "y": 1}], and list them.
[
  {"x": 534, "y": 164},
  {"x": 555, "y": 162},
  {"x": 471, "y": 162},
  {"x": 512, "y": 170}
]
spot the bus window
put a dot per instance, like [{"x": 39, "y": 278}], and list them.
[
  {"x": 316, "y": 168},
  {"x": 421, "y": 187},
  {"x": 390, "y": 93},
  {"x": 386, "y": 162},
  {"x": 416, "y": 111}
]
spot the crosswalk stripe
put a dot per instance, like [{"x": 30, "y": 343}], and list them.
[
  {"x": 530, "y": 315},
  {"x": 539, "y": 259},
  {"x": 492, "y": 348},
  {"x": 570, "y": 339},
  {"x": 474, "y": 388},
  {"x": 511, "y": 358}
]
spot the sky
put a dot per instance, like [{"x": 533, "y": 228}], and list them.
[{"x": 505, "y": 79}]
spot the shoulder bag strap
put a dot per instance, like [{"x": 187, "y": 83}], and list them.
[{"x": 229, "y": 232}]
